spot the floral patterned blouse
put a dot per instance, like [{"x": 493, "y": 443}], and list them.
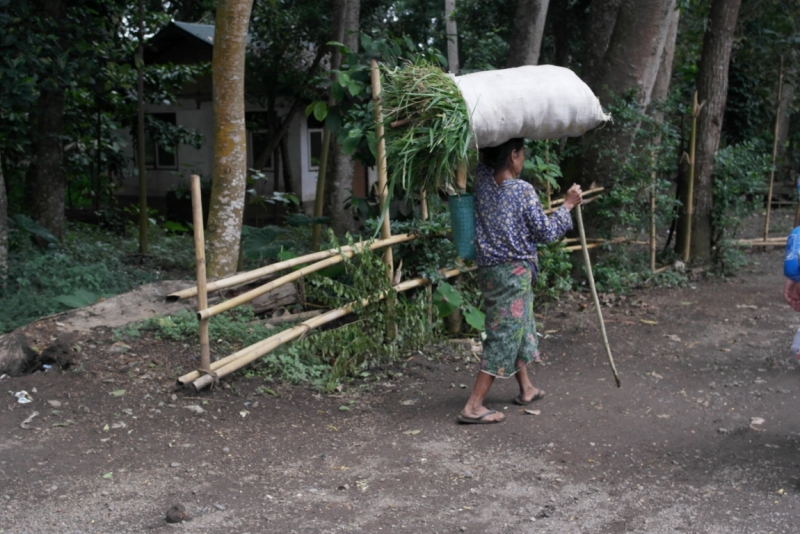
[{"x": 510, "y": 220}]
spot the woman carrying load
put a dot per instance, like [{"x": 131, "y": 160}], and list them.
[{"x": 510, "y": 222}]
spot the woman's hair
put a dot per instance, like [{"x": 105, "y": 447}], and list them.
[{"x": 496, "y": 157}]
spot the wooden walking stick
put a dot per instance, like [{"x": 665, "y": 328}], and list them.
[{"x": 594, "y": 293}]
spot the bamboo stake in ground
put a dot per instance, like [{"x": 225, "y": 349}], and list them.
[
  {"x": 690, "y": 200},
  {"x": 383, "y": 188},
  {"x": 653, "y": 214},
  {"x": 774, "y": 151},
  {"x": 200, "y": 254},
  {"x": 594, "y": 293}
]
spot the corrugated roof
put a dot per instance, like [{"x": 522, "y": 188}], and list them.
[{"x": 204, "y": 32}]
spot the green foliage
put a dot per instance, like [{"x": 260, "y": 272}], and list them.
[
  {"x": 554, "y": 272},
  {"x": 264, "y": 243},
  {"x": 88, "y": 264},
  {"x": 227, "y": 331},
  {"x": 446, "y": 299},
  {"x": 738, "y": 188},
  {"x": 625, "y": 209}
]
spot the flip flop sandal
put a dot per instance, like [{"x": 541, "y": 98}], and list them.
[
  {"x": 480, "y": 420},
  {"x": 539, "y": 396}
]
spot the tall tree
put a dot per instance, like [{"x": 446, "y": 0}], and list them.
[
  {"x": 526, "y": 39},
  {"x": 599, "y": 28},
  {"x": 664, "y": 76},
  {"x": 712, "y": 88},
  {"x": 49, "y": 185},
  {"x": 339, "y": 179},
  {"x": 230, "y": 148}
]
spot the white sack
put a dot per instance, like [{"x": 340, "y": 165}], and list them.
[{"x": 534, "y": 102}]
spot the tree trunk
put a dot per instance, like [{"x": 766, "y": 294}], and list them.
[
  {"x": 339, "y": 179},
  {"x": 140, "y": 138},
  {"x": 600, "y": 27},
  {"x": 49, "y": 183},
  {"x": 664, "y": 76},
  {"x": 3, "y": 228},
  {"x": 635, "y": 49},
  {"x": 712, "y": 88},
  {"x": 631, "y": 62},
  {"x": 49, "y": 186},
  {"x": 784, "y": 112},
  {"x": 526, "y": 38},
  {"x": 230, "y": 154},
  {"x": 288, "y": 178},
  {"x": 452, "y": 36}
]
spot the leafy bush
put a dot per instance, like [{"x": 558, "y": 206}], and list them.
[
  {"x": 738, "y": 188},
  {"x": 89, "y": 262}
]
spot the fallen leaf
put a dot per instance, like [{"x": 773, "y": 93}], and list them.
[
  {"x": 107, "y": 476},
  {"x": 663, "y": 416},
  {"x": 533, "y": 412},
  {"x": 673, "y": 337},
  {"x": 105, "y": 428},
  {"x": 645, "y": 321},
  {"x": 331, "y": 427},
  {"x": 118, "y": 392},
  {"x": 409, "y": 402},
  {"x": 748, "y": 306},
  {"x": 412, "y": 432},
  {"x": 244, "y": 413},
  {"x": 344, "y": 408}
]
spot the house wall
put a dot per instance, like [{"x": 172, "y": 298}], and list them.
[{"x": 199, "y": 115}]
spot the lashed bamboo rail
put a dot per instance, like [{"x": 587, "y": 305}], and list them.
[
  {"x": 291, "y": 277},
  {"x": 589, "y": 274},
  {"x": 594, "y": 191},
  {"x": 247, "y": 355},
  {"x": 200, "y": 255},
  {"x": 774, "y": 152},
  {"x": 262, "y": 272},
  {"x": 759, "y": 242}
]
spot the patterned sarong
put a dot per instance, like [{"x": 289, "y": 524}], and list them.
[{"x": 510, "y": 326}]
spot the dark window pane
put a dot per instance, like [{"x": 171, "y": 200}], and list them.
[
  {"x": 315, "y": 146},
  {"x": 165, "y": 158}
]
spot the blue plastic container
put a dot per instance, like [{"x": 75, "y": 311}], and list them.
[
  {"x": 462, "y": 221},
  {"x": 791, "y": 263}
]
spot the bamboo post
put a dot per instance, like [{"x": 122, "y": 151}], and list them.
[
  {"x": 383, "y": 188},
  {"x": 653, "y": 214},
  {"x": 200, "y": 254},
  {"x": 774, "y": 151},
  {"x": 423, "y": 204},
  {"x": 690, "y": 199},
  {"x": 594, "y": 293}
]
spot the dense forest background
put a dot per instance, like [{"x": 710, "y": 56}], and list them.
[{"x": 68, "y": 86}]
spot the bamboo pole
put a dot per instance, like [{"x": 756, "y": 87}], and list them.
[
  {"x": 262, "y": 272},
  {"x": 653, "y": 213},
  {"x": 690, "y": 200},
  {"x": 423, "y": 204},
  {"x": 293, "y": 317},
  {"x": 285, "y": 279},
  {"x": 245, "y": 356},
  {"x": 774, "y": 151},
  {"x": 383, "y": 188},
  {"x": 590, "y": 192},
  {"x": 200, "y": 254},
  {"x": 594, "y": 293}
]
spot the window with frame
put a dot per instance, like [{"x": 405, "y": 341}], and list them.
[
  {"x": 256, "y": 123},
  {"x": 314, "y": 142},
  {"x": 155, "y": 155}
]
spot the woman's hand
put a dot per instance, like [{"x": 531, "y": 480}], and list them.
[{"x": 574, "y": 197}]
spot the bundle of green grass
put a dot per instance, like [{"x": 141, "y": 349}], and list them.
[
  {"x": 431, "y": 132},
  {"x": 436, "y": 119}
]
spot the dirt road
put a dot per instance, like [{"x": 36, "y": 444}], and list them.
[{"x": 675, "y": 449}]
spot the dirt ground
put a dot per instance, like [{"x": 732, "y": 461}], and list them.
[{"x": 675, "y": 449}]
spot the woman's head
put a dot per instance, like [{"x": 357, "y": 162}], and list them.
[{"x": 502, "y": 156}]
